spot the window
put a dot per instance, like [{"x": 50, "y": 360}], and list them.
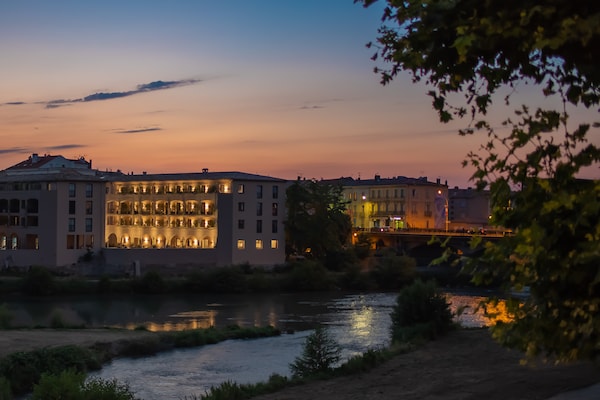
[
  {"x": 274, "y": 243},
  {"x": 274, "y": 226},
  {"x": 259, "y": 209},
  {"x": 275, "y": 192},
  {"x": 241, "y": 188},
  {"x": 259, "y": 226},
  {"x": 89, "y": 207},
  {"x": 70, "y": 241},
  {"x": 259, "y": 191},
  {"x": 71, "y": 206},
  {"x": 241, "y": 206},
  {"x": 89, "y": 190},
  {"x": 259, "y": 244},
  {"x": 71, "y": 224},
  {"x": 274, "y": 209},
  {"x": 241, "y": 224},
  {"x": 88, "y": 224},
  {"x": 71, "y": 190},
  {"x": 241, "y": 244}
]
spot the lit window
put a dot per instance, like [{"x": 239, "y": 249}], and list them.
[
  {"x": 274, "y": 243},
  {"x": 259, "y": 244},
  {"x": 241, "y": 188},
  {"x": 241, "y": 244}
]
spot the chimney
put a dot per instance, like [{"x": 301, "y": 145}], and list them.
[
  {"x": 34, "y": 158},
  {"x": 204, "y": 170}
]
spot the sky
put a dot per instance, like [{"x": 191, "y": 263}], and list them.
[{"x": 272, "y": 87}]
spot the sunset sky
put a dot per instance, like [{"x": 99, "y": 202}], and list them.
[{"x": 280, "y": 88}]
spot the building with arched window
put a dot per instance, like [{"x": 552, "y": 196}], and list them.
[{"x": 56, "y": 212}]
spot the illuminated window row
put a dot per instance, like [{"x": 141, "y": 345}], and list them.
[{"x": 258, "y": 244}]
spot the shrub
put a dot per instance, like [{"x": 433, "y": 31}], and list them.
[
  {"x": 420, "y": 313},
  {"x": 393, "y": 272},
  {"x": 308, "y": 276},
  {"x": 71, "y": 385},
  {"x": 319, "y": 355},
  {"x": 5, "y": 317},
  {"x": 38, "y": 281},
  {"x": 151, "y": 283},
  {"x": 5, "y": 391}
]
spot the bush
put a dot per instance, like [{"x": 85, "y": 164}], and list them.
[
  {"x": 38, "y": 282},
  {"x": 5, "y": 391},
  {"x": 393, "y": 272},
  {"x": 5, "y": 317},
  {"x": 71, "y": 385},
  {"x": 151, "y": 283},
  {"x": 308, "y": 276},
  {"x": 319, "y": 355},
  {"x": 420, "y": 313}
]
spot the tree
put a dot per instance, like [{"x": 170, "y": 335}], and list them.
[
  {"x": 473, "y": 49},
  {"x": 321, "y": 352},
  {"x": 316, "y": 219}
]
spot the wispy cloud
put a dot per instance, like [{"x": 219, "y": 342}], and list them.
[
  {"x": 14, "y": 150},
  {"x": 101, "y": 96},
  {"x": 66, "y": 146},
  {"x": 138, "y": 130}
]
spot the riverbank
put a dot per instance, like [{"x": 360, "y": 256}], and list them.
[{"x": 466, "y": 364}]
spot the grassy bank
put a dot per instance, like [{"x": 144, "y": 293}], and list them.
[{"x": 20, "y": 371}]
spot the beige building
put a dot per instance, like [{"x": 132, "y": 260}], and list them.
[
  {"x": 395, "y": 203},
  {"x": 58, "y": 212}
]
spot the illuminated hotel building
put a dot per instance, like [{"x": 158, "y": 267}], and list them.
[
  {"x": 54, "y": 212},
  {"x": 395, "y": 203}
]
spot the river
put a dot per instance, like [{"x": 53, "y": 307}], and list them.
[{"x": 357, "y": 321}]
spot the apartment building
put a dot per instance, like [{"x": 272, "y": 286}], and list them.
[
  {"x": 395, "y": 203},
  {"x": 58, "y": 212},
  {"x": 470, "y": 209}
]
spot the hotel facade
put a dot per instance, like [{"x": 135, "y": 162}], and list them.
[{"x": 57, "y": 212}]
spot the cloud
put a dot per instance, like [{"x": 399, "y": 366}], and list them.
[
  {"x": 66, "y": 147},
  {"x": 14, "y": 150},
  {"x": 138, "y": 130},
  {"x": 101, "y": 96}
]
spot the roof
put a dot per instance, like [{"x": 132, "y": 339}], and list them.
[
  {"x": 191, "y": 176},
  {"x": 378, "y": 181},
  {"x": 36, "y": 162}
]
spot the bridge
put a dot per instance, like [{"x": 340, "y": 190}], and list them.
[{"x": 414, "y": 242}]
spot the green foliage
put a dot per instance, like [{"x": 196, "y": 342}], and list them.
[
  {"x": 393, "y": 272},
  {"x": 420, "y": 313},
  {"x": 38, "y": 282},
  {"x": 532, "y": 162},
  {"x": 5, "y": 316},
  {"x": 5, "y": 390},
  {"x": 71, "y": 385},
  {"x": 316, "y": 221},
  {"x": 321, "y": 352},
  {"x": 308, "y": 276},
  {"x": 24, "y": 369},
  {"x": 151, "y": 283}
]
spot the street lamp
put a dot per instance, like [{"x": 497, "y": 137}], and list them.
[{"x": 447, "y": 221}]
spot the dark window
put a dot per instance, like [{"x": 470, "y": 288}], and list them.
[
  {"x": 71, "y": 190},
  {"x": 88, "y": 225},
  {"x": 274, "y": 209},
  {"x": 241, "y": 206},
  {"x": 71, "y": 224},
  {"x": 241, "y": 224},
  {"x": 259, "y": 209},
  {"x": 89, "y": 190},
  {"x": 14, "y": 205},
  {"x": 89, "y": 207},
  {"x": 259, "y": 191},
  {"x": 275, "y": 192},
  {"x": 71, "y": 206},
  {"x": 274, "y": 225},
  {"x": 32, "y": 206},
  {"x": 258, "y": 226}
]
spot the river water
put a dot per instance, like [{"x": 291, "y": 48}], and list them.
[{"x": 358, "y": 322}]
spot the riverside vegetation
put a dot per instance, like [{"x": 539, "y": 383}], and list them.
[{"x": 54, "y": 373}]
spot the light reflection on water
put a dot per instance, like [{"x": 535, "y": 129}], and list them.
[{"x": 358, "y": 322}]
